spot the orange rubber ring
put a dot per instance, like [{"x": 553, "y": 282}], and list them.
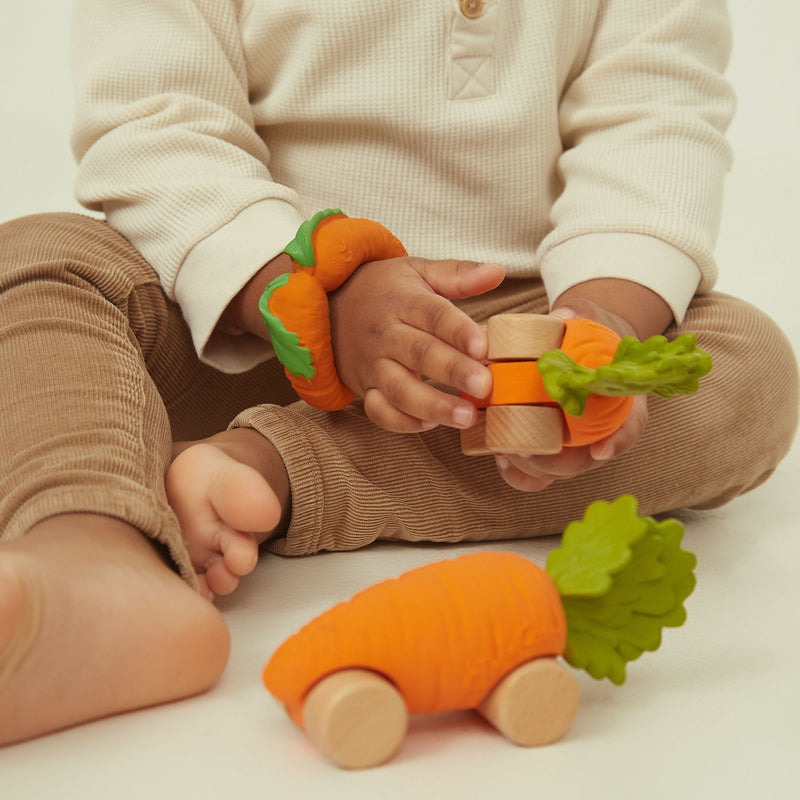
[{"x": 341, "y": 245}]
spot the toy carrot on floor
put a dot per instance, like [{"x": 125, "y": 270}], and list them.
[{"x": 486, "y": 631}]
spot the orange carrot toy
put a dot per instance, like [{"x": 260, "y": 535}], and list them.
[
  {"x": 485, "y": 631},
  {"x": 327, "y": 250},
  {"x": 570, "y": 383}
]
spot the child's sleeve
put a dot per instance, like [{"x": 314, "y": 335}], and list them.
[
  {"x": 644, "y": 155},
  {"x": 168, "y": 151}
]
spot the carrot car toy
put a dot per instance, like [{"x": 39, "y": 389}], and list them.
[
  {"x": 487, "y": 631},
  {"x": 566, "y": 383}
]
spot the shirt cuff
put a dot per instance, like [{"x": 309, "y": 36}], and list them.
[
  {"x": 216, "y": 269},
  {"x": 645, "y": 260}
]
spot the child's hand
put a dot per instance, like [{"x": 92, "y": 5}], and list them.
[{"x": 392, "y": 322}]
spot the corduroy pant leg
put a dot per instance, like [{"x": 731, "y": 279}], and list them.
[
  {"x": 98, "y": 376},
  {"x": 353, "y": 483}
]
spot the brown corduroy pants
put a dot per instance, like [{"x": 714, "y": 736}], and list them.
[{"x": 99, "y": 376}]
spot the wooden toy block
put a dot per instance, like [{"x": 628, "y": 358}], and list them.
[
  {"x": 473, "y": 440},
  {"x": 524, "y": 430},
  {"x": 356, "y": 717},
  {"x": 517, "y": 337},
  {"x": 535, "y": 705}
]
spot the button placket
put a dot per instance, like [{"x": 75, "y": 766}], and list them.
[{"x": 472, "y": 49}]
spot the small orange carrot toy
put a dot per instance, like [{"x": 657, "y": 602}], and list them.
[
  {"x": 570, "y": 383},
  {"x": 485, "y": 631},
  {"x": 328, "y": 248}
]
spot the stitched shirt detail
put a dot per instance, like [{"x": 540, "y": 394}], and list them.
[{"x": 472, "y": 49}]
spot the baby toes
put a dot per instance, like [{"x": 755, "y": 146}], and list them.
[
  {"x": 219, "y": 580},
  {"x": 239, "y": 551}
]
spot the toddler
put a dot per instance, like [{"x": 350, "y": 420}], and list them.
[{"x": 563, "y": 157}]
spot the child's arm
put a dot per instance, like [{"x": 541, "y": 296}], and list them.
[
  {"x": 643, "y": 166},
  {"x": 645, "y": 157},
  {"x": 168, "y": 152},
  {"x": 624, "y": 306}
]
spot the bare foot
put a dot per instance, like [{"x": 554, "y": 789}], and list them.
[
  {"x": 94, "y": 623},
  {"x": 230, "y": 493}
]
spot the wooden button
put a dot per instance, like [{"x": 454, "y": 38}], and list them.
[{"x": 472, "y": 9}]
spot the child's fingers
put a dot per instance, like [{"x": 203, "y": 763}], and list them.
[
  {"x": 459, "y": 279},
  {"x": 401, "y": 389},
  {"x": 517, "y": 479},
  {"x": 533, "y": 473},
  {"x": 571, "y": 461},
  {"x": 626, "y": 436},
  {"x": 434, "y": 315},
  {"x": 390, "y": 418},
  {"x": 426, "y": 355}
]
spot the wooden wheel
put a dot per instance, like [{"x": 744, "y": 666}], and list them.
[
  {"x": 523, "y": 337},
  {"x": 525, "y": 430},
  {"x": 535, "y": 704},
  {"x": 356, "y": 717}
]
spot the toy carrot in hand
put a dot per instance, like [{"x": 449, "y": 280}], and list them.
[
  {"x": 485, "y": 631},
  {"x": 571, "y": 383}
]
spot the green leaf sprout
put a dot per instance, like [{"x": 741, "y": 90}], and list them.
[
  {"x": 656, "y": 365},
  {"x": 622, "y": 578},
  {"x": 288, "y": 350}
]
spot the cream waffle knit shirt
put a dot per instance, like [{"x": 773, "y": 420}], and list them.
[{"x": 569, "y": 138}]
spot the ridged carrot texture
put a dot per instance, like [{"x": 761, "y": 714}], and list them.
[
  {"x": 300, "y": 305},
  {"x": 443, "y": 634},
  {"x": 593, "y": 345},
  {"x": 326, "y": 251},
  {"x": 341, "y": 244}
]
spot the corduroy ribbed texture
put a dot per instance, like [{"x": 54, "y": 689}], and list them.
[{"x": 99, "y": 374}]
